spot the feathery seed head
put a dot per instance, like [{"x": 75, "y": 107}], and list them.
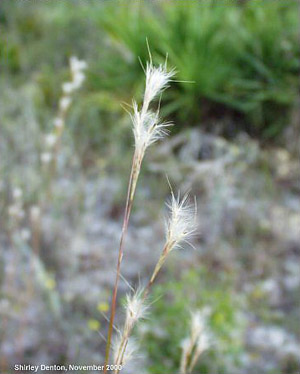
[
  {"x": 147, "y": 128},
  {"x": 157, "y": 79},
  {"x": 130, "y": 351},
  {"x": 198, "y": 323},
  {"x": 203, "y": 342},
  {"x": 136, "y": 307},
  {"x": 180, "y": 225},
  {"x": 122, "y": 355}
]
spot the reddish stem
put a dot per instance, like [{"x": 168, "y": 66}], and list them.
[{"x": 129, "y": 201}]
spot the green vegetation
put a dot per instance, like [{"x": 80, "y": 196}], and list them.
[
  {"x": 233, "y": 146},
  {"x": 243, "y": 59},
  {"x": 164, "y": 331}
]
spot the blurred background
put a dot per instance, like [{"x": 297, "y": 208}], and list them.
[{"x": 234, "y": 145}]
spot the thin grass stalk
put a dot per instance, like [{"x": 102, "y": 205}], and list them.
[
  {"x": 147, "y": 129},
  {"x": 127, "y": 329},
  {"x": 135, "y": 171},
  {"x": 180, "y": 226},
  {"x": 134, "y": 174},
  {"x": 122, "y": 349}
]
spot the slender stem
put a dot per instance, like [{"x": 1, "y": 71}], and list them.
[
  {"x": 161, "y": 261},
  {"x": 135, "y": 168},
  {"x": 125, "y": 337},
  {"x": 122, "y": 350}
]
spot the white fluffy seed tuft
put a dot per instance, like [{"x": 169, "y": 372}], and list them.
[
  {"x": 181, "y": 224},
  {"x": 147, "y": 128},
  {"x": 136, "y": 307},
  {"x": 157, "y": 79}
]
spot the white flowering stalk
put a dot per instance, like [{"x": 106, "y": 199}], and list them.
[
  {"x": 180, "y": 227},
  {"x": 136, "y": 309},
  {"x": 196, "y": 343},
  {"x": 147, "y": 126},
  {"x": 52, "y": 139},
  {"x": 147, "y": 129}
]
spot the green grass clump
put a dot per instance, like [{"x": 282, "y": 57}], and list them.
[
  {"x": 243, "y": 59},
  {"x": 164, "y": 332}
]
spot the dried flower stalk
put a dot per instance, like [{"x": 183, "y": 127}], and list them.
[
  {"x": 180, "y": 225},
  {"x": 147, "y": 129},
  {"x": 52, "y": 140}
]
